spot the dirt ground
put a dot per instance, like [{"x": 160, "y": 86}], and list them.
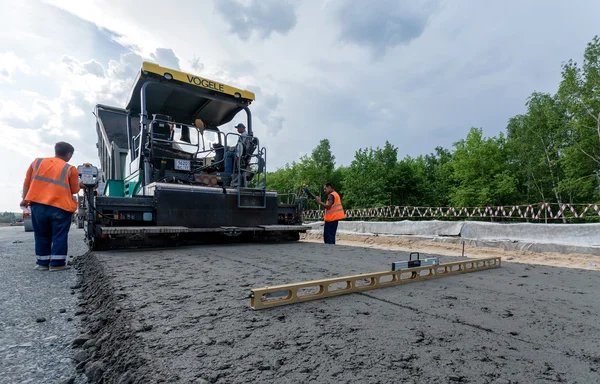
[
  {"x": 578, "y": 261},
  {"x": 183, "y": 316}
]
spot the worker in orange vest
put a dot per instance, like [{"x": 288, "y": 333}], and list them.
[
  {"x": 48, "y": 189},
  {"x": 334, "y": 212}
]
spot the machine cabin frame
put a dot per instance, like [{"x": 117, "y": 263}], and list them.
[{"x": 183, "y": 97}]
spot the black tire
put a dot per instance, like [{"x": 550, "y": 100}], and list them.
[
  {"x": 295, "y": 236},
  {"x": 28, "y": 225}
]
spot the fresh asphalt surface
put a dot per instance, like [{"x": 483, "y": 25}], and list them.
[
  {"x": 37, "y": 322},
  {"x": 188, "y": 309}
]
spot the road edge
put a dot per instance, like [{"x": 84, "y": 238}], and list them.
[{"x": 109, "y": 350}]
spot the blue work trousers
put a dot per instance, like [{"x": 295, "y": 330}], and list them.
[
  {"x": 51, "y": 231},
  {"x": 229, "y": 161},
  {"x": 329, "y": 231}
]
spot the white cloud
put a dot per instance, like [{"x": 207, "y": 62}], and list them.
[
  {"x": 196, "y": 64},
  {"x": 9, "y": 64},
  {"x": 382, "y": 24},
  {"x": 109, "y": 14},
  {"x": 257, "y": 17},
  {"x": 91, "y": 67},
  {"x": 166, "y": 58},
  {"x": 126, "y": 67},
  {"x": 266, "y": 114}
]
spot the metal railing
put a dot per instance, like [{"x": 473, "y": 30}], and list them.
[
  {"x": 255, "y": 163},
  {"x": 200, "y": 153}
]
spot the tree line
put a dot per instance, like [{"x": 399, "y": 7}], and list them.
[
  {"x": 551, "y": 153},
  {"x": 8, "y": 217}
]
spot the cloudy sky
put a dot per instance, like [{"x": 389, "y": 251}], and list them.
[{"x": 418, "y": 73}]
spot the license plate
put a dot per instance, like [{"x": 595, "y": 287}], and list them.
[{"x": 182, "y": 165}]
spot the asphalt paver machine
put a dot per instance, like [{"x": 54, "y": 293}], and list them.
[{"x": 171, "y": 175}]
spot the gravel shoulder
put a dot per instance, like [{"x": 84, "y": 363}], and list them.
[
  {"x": 573, "y": 260},
  {"x": 37, "y": 321},
  {"x": 183, "y": 316}
]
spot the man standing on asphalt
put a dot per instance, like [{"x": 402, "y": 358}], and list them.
[
  {"x": 48, "y": 189},
  {"x": 334, "y": 212}
]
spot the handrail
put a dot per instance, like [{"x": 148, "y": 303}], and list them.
[{"x": 199, "y": 136}]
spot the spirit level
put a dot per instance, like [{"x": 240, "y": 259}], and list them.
[{"x": 267, "y": 297}]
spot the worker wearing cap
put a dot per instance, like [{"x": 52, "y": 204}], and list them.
[
  {"x": 334, "y": 212},
  {"x": 241, "y": 128},
  {"x": 230, "y": 155},
  {"x": 48, "y": 189}
]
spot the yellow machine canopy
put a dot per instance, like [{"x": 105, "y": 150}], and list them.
[{"x": 185, "y": 97}]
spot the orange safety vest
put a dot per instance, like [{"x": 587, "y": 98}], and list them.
[
  {"x": 50, "y": 184},
  {"x": 336, "y": 212}
]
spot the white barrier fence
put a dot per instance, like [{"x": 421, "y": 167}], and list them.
[{"x": 541, "y": 211}]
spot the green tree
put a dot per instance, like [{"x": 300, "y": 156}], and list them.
[
  {"x": 283, "y": 180},
  {"x": 318, "y": 168},
  {"x": 372, "y": 178},
  {"x": 536, "y": 143},
  {"x": 437, "y": 170},
  {"x": 315, "y": 170},
  {"x": 579, "y": 91},
  {"x": 8, "y": 217},
  {"x": 480, "y": 171},
  {"x": 411, "y": 184}
]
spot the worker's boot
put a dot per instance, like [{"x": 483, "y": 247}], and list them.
[
  {"x": 40, "y": 267},
  {"x": 61, "y": 268}
]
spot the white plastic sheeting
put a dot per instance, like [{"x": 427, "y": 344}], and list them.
[
  {"x": 406, "y": 227},
  {"x": 587, "y": 235},
  {"x": 560, "y": 238}
]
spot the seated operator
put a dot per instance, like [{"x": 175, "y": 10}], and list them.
[
  {"x": 244, "y": 138},
  {"x": 230, "y": 155}
]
